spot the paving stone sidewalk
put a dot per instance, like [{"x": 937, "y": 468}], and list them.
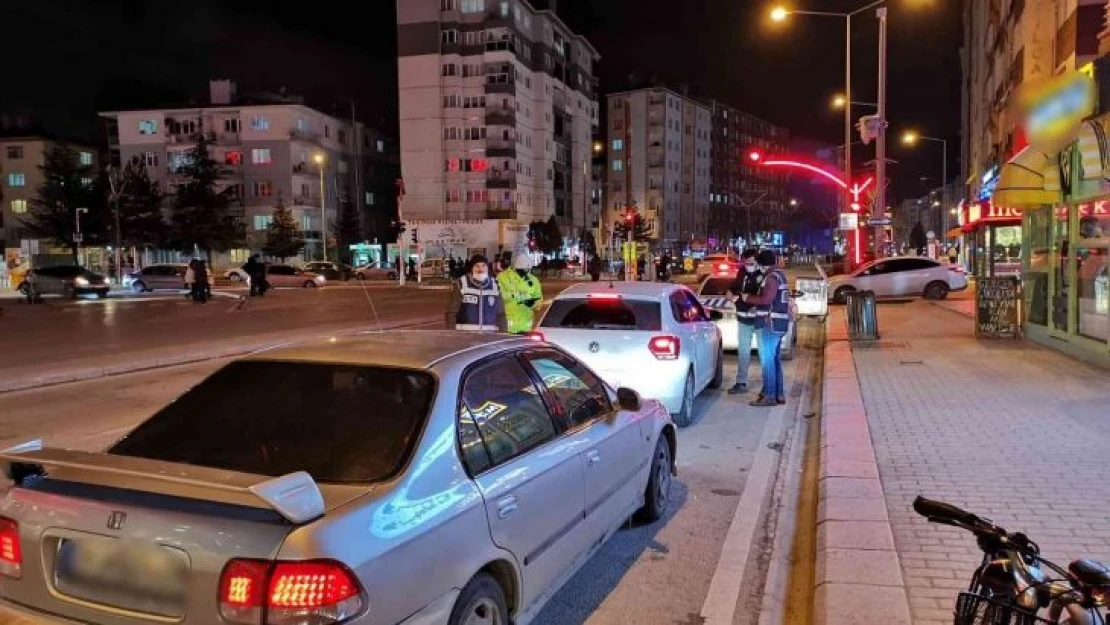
[{"x": 1007, "y": 429}]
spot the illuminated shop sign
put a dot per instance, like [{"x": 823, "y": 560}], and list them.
[{"x": 988, "y": 183}]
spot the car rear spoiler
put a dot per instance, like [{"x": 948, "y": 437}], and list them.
[{"x": 296, "y": 496}]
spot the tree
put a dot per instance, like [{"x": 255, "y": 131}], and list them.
[
  {"x": 587, "y": 243},
  {"x": 638, "y": 226},
  {"x": 347, "y": 230},
  {"x": 202, "y": 216},
  {"x": 546, "y": 235},
  {"x": 283, "y": 235},
  {"x": 918, "y": 241},
  {"x": 141, "y": 219},
  {"x": 68, "y": 186}
]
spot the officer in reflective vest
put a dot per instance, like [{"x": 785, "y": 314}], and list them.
[
  {"x": 772, "y": 309},
  {"x": 521, "y": 292},
  {"x": 475, "y": 302}
]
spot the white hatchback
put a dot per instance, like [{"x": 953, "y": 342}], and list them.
[
  {"x": 712, "y": 293},
  {"x": 900, "y": 276},
  {"x": 655, "y": 338}
]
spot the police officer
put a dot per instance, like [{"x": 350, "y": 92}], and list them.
[
  {"x": 772, "y": 310},
  {"x": 747, "y": 283},
  {"x": 521, "y": 292},
  {"x": 475, "y": 302}
]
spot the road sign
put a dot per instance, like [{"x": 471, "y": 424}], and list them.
[
  {"x": 849, "y": 221},
  {"x": 885, "y": 221}
]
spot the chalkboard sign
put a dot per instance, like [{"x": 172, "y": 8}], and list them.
[{"x": 998, "y": 308}]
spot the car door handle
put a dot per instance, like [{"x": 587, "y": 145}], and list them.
[
  {"x": 506, "y": 506},
  {"x": 592, "y": 457}
]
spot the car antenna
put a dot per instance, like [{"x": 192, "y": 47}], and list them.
[{"x": 373, "y": 309}]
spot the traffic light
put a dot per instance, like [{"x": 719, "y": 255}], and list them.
[{"x": 415, "y": 238}]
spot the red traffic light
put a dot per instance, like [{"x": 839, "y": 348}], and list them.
[{"x": 755, "y": 156}]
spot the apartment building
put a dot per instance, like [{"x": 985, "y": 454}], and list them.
[
  {"x": 1008, "y": 43},
  {"x": 272, "y": 148},
  {"x": 659, "y": 147},
  {"x": 498, "y": 106},
  {"x": 21, "y": 159},
  {"x": 744, "y": 198}
]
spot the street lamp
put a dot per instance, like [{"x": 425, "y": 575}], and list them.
[
  {"x": 319, "y": 159},
  {"x": 77, "y": 237},
  {"x": 839, "y": 101},
  {"x": 780, "y": 14},
  {"x": 912, "y": 138},
  {"x": 793, "y": 202}
]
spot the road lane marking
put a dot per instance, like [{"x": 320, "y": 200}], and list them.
[{"x": 724, "y": 588}]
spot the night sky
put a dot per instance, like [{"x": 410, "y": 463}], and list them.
[{"x": 65, "y": 59}]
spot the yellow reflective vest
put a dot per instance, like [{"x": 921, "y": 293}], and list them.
[{"x": 515, "y": 291}]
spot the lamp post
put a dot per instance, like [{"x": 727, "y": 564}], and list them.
[
  {"x": 319, "y": 159},
  {"x": 77, "y": 233},
  {"x": 911, "y": 138}
]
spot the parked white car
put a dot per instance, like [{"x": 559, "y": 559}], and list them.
[
  {"x": 655, "y": 338},
  {"x": 711, "y": 293},
  {"x": 901, "y": 276}
]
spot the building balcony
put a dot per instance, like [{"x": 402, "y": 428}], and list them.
[
  {"x": 501, "y": 149},
  {"x": 501, "y": 181},
  {"x": 304, "y": 135},
  {"x": 500, "y": 116},
  {"x": 501, "y": 83}
]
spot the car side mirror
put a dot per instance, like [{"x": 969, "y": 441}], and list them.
[
  {"x": 628, "y": 399},
  {"x": 716, "y": 315}
]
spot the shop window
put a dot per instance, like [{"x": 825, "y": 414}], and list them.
[
  {"x": 1060, "y": 295},
  {"x": 1035, "y": 277},
  {"x": 1093, "y": 275}
]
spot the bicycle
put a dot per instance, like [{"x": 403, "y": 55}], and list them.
[{"x": 1011, "y": 586}]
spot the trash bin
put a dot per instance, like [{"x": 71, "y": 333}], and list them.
[{"x": 863, "y": 322}]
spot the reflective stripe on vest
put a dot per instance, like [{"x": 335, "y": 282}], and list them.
[{"x": 478, "y": 310}]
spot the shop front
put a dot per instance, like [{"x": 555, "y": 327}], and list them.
[
  {"x": 1064, "y": 194},
  {"x": 991, "y": 236}
]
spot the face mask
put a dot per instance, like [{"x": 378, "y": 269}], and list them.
[
  {"x": 481, "y": 277},
  {"x": 751, "y": 268}
]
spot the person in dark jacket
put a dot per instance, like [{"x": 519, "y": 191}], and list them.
[
  {"x": 772, "y": 309},
  {"x": 747, "y": 283},
  {"x": 475, "y": 303},
  {"x": 200, "y": 287}
]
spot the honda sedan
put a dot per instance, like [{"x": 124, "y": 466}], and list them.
[{"x": 412, "y": 478}]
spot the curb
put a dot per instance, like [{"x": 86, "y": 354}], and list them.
[
  {"x": 859, "y": 576},
  {"x": 79, "y": 374}
]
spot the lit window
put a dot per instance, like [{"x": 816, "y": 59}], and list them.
[
  {"x": 473, "y": 6},
  {"x": 263, "y": 189},
  {"x": 16, "y": 180},
  {"x": 15, "y": 152},
  {"x": 19, "y": 206},
  {"x": 381, "y": 145},
  {"x": 150, "y": 159},
  {"x": 262, "y": 222},
  {"x": 86, "y": 181},
  {"x": 148, "y": 127},
  {"x": 233, "y": 157},
  {"x": 618, "y": 145},
  {"x": 86, "y": 158},
  {"x": 302, "y": 124},
  {"x": 260, "y": 123},
  {"x": 618, "y": 165},
  {"x": 261, "y": 156},
  {"x": 369, "y": 198}
]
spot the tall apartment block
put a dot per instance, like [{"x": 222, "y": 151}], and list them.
[
  {"x": 743, "y": 198},
  {"x": 268, "y": 148},
  {"x": 498, "y": 104},
  {"x": 1008, "y": 43},
  {"x": 659, "y": 146}
]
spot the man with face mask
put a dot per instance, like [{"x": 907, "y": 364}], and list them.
[
  {"x": 747, "y": 283},
  {"x": 522, "y": 293},
  {"x": 475, "y": 302},
  {"x": 772, "y": 309}
]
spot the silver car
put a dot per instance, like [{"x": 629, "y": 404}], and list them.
[
  {"x": 414, "y": 478},
  {"x": 712, "y": 293},
  {"x": 69, "y": 281},
  {"x": 170, "y": 276},
  {"x": 289, "y": 277}
]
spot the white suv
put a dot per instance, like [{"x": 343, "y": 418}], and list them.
[{"x": 901, "y": 276}]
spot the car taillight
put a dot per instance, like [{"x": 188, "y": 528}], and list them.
[
  {"x": 722, "y": 267},
  {"x": 256, "y": 592},
  {"x": 11, "y": 555},
  {"x": 536, "y": 336},
  {"x": 664, "y": 347}
]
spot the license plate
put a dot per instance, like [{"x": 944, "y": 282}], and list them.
[{"x": 128, "y": 575}]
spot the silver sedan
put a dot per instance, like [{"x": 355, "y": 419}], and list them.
[{"x": 414, "y": 478}]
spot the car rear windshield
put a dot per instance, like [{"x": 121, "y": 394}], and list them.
[
  {"x": 717, "y": 286},
  {"x": 340, "y": 423},
  {"x": 603, "y": 314}
]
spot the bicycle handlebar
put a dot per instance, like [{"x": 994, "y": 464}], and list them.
[{"x": 946, "y": 512}]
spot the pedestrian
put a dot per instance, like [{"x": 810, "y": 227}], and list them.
[
  {"x": 451, "y": 267},
  {"x": 521, "y": 292},
  {"x": 747, "y": 282},
  {"x": 199, "y": 287},
  {"x": 475, "y": 303},
  {"x": 772, "y": 310},
  {"x": 253, "y": 269},
  {"x": 411, "y": 267},
  {"x": 594, "y": 265},
  {"x": 190, "y": 277}
]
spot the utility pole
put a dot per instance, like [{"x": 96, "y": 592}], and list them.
[
  {"x": 879, "y": 210},
  {"x": 848, "y": 102}
]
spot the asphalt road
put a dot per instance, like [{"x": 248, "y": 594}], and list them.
[{"x": 653, "y": 574}]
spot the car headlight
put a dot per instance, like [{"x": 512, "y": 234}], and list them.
[{"x": 79, "y": 281}]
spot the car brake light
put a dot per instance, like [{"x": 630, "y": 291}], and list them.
[
  {"x": 603, "y": 296},
  {"x": 664, "y": 347},
  {"x": 722, "y": 267},
  {"x": 11, "y": 556},
  {"x": 535, "y": 336},
  {"x": 284, "y": 593}
]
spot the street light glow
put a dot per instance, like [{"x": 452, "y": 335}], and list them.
[
  {"x": 318, "y": 158},
  {"x": 839, "y": 101},
  {"x": 910, "y": 137},
  {"x": 793, "y": 202},
  {"x": 779, "y": 14}
]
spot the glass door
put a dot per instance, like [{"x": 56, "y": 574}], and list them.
[
  {"x": 1093, "y": 272},
  {"x": 1060, "y": 271},
  {"x": 1038, "y": 232}
]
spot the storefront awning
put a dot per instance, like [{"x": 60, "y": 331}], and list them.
[
  {"x": 954, "y": 233},
  {"x": 1030, "y": 178}
]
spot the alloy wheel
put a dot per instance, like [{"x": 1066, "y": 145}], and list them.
[{"x": 483, "y": 612}]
